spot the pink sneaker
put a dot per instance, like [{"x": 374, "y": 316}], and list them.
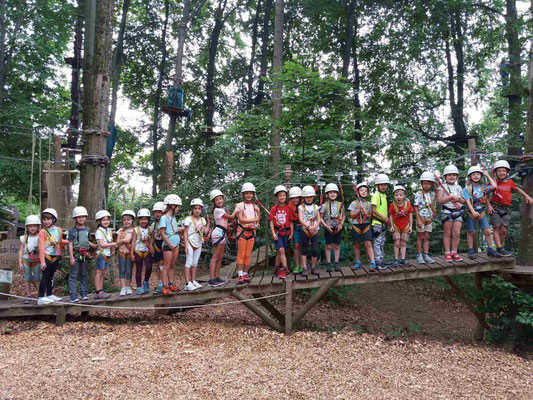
[
  {"x": 448, "y": 257},
  {"x": 456, "y": 257}
]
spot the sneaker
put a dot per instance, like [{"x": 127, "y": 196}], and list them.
[
  {"x": 220, "y": 280},
  {"x": 75, "y": 300},
  {"x": 402, "y": 261},
  {"x": 197, "y": 285},
  {"x": 128, "y": 290},
  {"x": 50, "y": 298},
  {"x": 240, "y": 280},
  {"x": 297, "y": 270},
  {"x": 504, "y": 252},
  {"x": 213, "y": 282},
  {"x": 328, "y": 268},
  {"x": 140, "y": 290},
  {"x": 305, "y": 272},
  {"x": 190, "y": 287},
  {"x": 103, "y": 295},
  {"x": 448, "y": 257},
  {"x": 246, "y": 278},
  {"x": 420, "y": 259},
  {"x": 456, "y": 257},
  {"x": 428, "y": 259},
  {"x": 383, "y": 266},
  {"x": 396, "y": 264},
  {"x": 84, "y": 297},
  {"x": 276, "y": 272},
  {"x": 357, "y": 264},
  {"x": 159, "y": 288},
  {"x": 28, "y": 301},
  {"x": 282, "y": 274},
  {"x": 372, "y": 266},
  {"x": 337, "y": 267},
  {"x": 174, "y": 288},
  {"x": 166, "y": 291},
  {"x": 146, "y": 287},
  {"x": 315, "y": 271},
  {"x": 493, "y": 253},
  {"x": 44, "y": 301},
  {"x": 471, "y": 254},
  {"x": 122, "y": 292},
  {"x": 55, "y": 298}
]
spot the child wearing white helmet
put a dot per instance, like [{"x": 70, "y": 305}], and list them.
[
  {"x": 78, "y": 250},
  {"x": 426, "y": 212},
  {"x": 125, "y": 252},
  {"x": 28, "y": 257},
  {"x": 380, "y": 218},
  {"x": 143, "y": 250},
  {"x": 401, "y": 217},
  {"x": 361, "y": 214},
  {"x": 309, "y": 217},
  {"x": 51, "y": 244},
  {"x": 157, "y": 211},
  {"x": 295, "y": 199},
  {"x": 450, "y": 197},
  {"x": 281, "y": 229},
  {"x": 106, "y": 246},
  {"x": 476, "y": 195},
  {"x": 170, "y": 232},
  {"x": 498, "y": 208},
  {"x": 248, "y": 217},
  {"x": 332, "y": 217},
  {"x": 195, "y": 231},
  {"x": 219, "y": 236}
]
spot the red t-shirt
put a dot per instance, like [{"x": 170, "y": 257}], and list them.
[
  {"x": 401, "y": 221},
  {"x": 294, "y": 209},
  {"x": 504, "y": 192},
  {"x": 282, "y": 217}
]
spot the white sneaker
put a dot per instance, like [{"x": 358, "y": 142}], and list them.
[
  {"x": 50, "y": 298},
  {"x": 128, "y": 290},
  {"x": 55, "y": 298},
  {"x": 190, "y": 287},
  {"x": 198, "y": 286},
  {"x": 44, "y": 301},
  {"x": 123, "y": 292}
]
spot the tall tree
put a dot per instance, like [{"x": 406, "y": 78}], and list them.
[
  {"x": 275, "y": 141},
  {"x": 263, "y": 63}
]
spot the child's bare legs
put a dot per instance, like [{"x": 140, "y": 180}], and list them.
[
  {"x": 369, "y": 250},
  {"x": 425, "y": 240},
  {"x": 282, "y": 257},
  {"x": 470, "y": 240},
  {"x": 188, "y": 274},
  {"x": 172, "y": 266},
  {"x": 304, "y": 261},
  {"x": 193, "y": 273},
  {"x": 167, "y": 262},
  {"x": 216, "y": 260},
  {"x": 447, "y": 239},
  {"x": 313, "y": 261},
  {"x": 488, "y": 237},
  {"x": 99, "y": 279},
  {"x": 337, "y": 252},
  {"x": 396, "y": 248},
  {"x": 419, "y": 241},
  {"x": 499, "y": 235},
  {"x": 357, "y": 250},
  {"x": 328, "y": 253},
  {"x": 297, "y": 253},
  {"x": 403, "y": 249}
]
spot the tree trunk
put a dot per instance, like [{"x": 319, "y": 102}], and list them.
[
  {"x": 263, "y": 64},
  {"x": 157, "y": 102},
  {"x": 96, "y": 105},
  {"x": 348, "y": 47},
  {"x": 250, "y": 72},
  {"x": 3, "y": 71},
  {"x": 514, "y": 90},
  {"x": 275, "y": 142},
  {"x": 358, "y": 134},
  {"x": 525, "y": 249},
  {"x": 75, "y": 89},
  {"x": 168, "y": 162}
]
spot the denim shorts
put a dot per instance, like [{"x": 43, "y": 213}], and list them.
[
  {"x": 282, "y": 242},
  {"x": 297, "y": 235},
  {"x": 32, "y": 274},
  {"x": 482, "y": 223},
  {"x": 101, "y": 264}
]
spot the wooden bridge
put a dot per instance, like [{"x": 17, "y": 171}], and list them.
[{"x": 262, "y": 284}]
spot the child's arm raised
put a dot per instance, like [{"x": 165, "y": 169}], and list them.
[{"x": 493, "y": 184}]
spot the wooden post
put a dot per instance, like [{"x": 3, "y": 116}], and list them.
[
  {"x": 288, "y": 307},
  {"x": 480, "y": 328},
  {"x": 60, "y": 316},
  {"x": 473, "y": 161},
  {"x": 14, "y": 219},
  {"x": 9, "y": 254}
]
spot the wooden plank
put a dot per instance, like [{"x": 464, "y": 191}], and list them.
[
  {"x": 408, "y": 267},
  {"x": 421, "y": 267},
  {"x": 300, "y": 278},
  {"x": 256, "y": 280},
  {"x": 348, "y": 272},
  {"x": 312, "y": 277},
  {"x": 368, "y": 272},
  {"x": 467, "y": 260},
  {"x": 443, "y": 263},
  {"x": 336, "y": 274},
  {"x": 324, "y": 274}
]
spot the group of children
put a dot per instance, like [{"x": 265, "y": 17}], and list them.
[{"x": 295, "y": 219}]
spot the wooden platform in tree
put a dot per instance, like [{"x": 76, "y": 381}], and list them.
[{"x": 263, "y": 283}]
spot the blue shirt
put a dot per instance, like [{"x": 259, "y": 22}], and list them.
[
  {"x": 478, "y": 194},
  {"x": 171, "y": 229}
]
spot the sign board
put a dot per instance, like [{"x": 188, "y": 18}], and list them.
[{"x": 9, "y": 254}]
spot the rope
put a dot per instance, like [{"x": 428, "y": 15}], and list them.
[{"x": 146, "y": 308}]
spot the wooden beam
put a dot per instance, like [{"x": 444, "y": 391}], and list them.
[
  {"x": 270, "y": 308},
  {"x": 311, "y": 302},
  {"x": 288, "y": 307},
  {"x": 60, "y": 315},
  {"x": 257, "y": 311},
  {"x": 482, "y": 324}
]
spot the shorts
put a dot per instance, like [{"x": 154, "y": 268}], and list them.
[
  {"x": 359, "y": 235},
  {"x": 444, "y": 217},
  {"x": 158, "y": 254},
  {"x": 297, "y": 234},
  {"x": 482, "y": 223},
  {"x": 332, "y": 238},
  {"x": 282, "y": 242},
  {"x": 219, "y": 236},
  {"x": 501, "y": 216},
  {"x": 32, "y": 273},
  {"x": 101, "y": 263},
  {"x": 425, "y": 228},
  {"x": 400, "y": 236}
]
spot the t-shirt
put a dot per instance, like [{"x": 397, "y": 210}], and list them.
[
  {"x": 171, "y": 227},
  {"x": 143, "y": 237},
  {"x": 503, "y": 194},
  {"x": 310, "y": 212},
  {"x": 218, "y": 212},
  {"x": 79, "y": 238},
  {"x": 478, "y": 196},
  {"x": 248, "y": 211},
  {"x": 282, "y": 217},
  {"x": 195, "y": 232},
  {"x": 106, "y": 235},
  {"x": 454, "y": 190},
  {"x": 155, "y": 230},
  {"x": 365, "y": 204},
  {"x": 30, "y": 243},
  {"x": 125, "y": 234},
  {"x": 400, "y": 218},
  {"x": 331, "y": 210},
  {"x": 380, "y": 201},
  {"x": 425, "y": 201},
  {"x": 52, "y": 239},
  {"x": 294, "y": 209}
]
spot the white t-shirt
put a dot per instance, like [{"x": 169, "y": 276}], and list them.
[
  {"x": 30, "y": 245},
  {"x": 309, "y": 212},
  {"x": 106, "y": 235},
  {"x": 143, "y": 236},
  {"x": 455, "y": 190},
  {"x": 195, "y": 231},
  {"x": 217, "y": 215}
]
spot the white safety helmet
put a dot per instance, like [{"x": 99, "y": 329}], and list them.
[
  {"x": 474, "y": 168},
  {"x": 143, "y": 212},
  {"x": 248, "y": 187},
  {"x": 131, "y": 213},
  {"x": 331, "y": 187},
  {"x": 215, "y": 193},
  {"x": 308, "y": 191},
  {"x": 50, "y": 211},
  {"x": 197, "y": 202},
  {"x": 427, "y": 176},
  {"x": 33, "y": 220},
  {"x": 501, "y": 164},
  {"x": 158, "y": 206},
  {"x": 79, "y": 212},
  {"x": 396, "y": 188},
  {"x": 280, "y": 188},
  {"x": 101, "y": 214},
  {"x": 172, "y": 199},
  {"x": 450, "y": 169},
  {"x": 382, "y": 179},
  {"x": 360, "y": 185},
  {"x": 295, "y": 191}
]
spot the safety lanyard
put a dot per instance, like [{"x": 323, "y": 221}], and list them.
[{"x": 362, "y": 206}]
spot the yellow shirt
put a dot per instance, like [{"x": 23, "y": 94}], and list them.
[{"x": 380, "y": 201}]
